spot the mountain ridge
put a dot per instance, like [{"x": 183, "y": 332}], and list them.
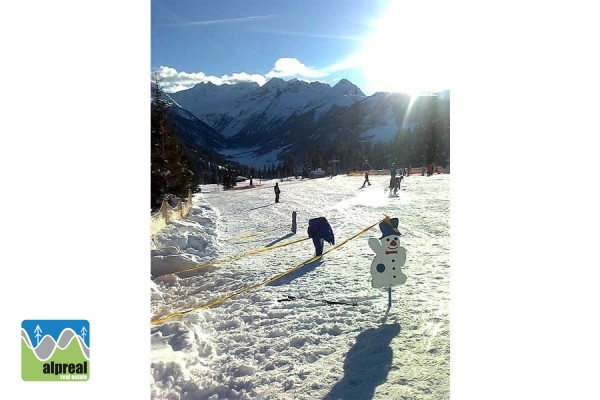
[{"x": 290, "y": 118}]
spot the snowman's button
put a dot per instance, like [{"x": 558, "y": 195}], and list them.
[{"x": 380, "y": 268}]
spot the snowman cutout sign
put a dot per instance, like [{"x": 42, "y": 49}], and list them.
[{"x": 389, "y": 256}]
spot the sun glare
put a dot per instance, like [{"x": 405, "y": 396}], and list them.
[{"x": 407, "y": 51}]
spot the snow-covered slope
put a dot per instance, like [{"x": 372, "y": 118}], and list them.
[{"x": 256, "y": 346}]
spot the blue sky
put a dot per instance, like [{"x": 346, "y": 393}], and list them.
[{"x": 379, "y": 45}]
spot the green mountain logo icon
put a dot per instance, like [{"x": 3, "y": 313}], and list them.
[{"x": 55, "y": 350}]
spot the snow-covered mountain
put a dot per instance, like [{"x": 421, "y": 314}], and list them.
[
  {"x": 191, "y": 129},
  {"x": 248, "y": 110},
  {"x": 294, "y": 117},
  {"x": 203, "y": 143},
  {"x": 211, "y": 103}
]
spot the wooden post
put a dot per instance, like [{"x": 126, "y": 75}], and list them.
[
  {"x": 389, "y": 297},
  {"x": 294, "y": 221}
]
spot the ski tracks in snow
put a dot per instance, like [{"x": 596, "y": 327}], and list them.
[{"x": 253, "y": 346}]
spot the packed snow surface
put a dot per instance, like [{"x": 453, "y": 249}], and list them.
[{"x": 255, "y": 345}]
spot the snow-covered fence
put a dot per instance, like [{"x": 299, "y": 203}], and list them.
[{"x": 167, "y": 214}]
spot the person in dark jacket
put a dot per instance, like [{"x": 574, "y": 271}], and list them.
[
  {"x": 366, "y": 180},
  {"x": 319, "y": 231},
  {"x": 277, "y": 191}
]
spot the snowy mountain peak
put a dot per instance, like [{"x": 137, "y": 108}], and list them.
[
  {"x": 345, "y": 84},
  {"x": 276, "y": 83},
  {"x": 244, "y": 85},
  {"x": 346, "y": 87}
]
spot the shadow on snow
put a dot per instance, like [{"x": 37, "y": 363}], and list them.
[
  {"x": 256, "y": 208},
  {"x": 367, "y": 364},
  {"x": 280, "y": 239},
  {"x": 286, "y": 279}
]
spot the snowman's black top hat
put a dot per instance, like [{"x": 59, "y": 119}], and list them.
[{"x": 389, "y": 226}]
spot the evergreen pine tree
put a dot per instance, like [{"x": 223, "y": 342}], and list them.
[{"x": 170, "y": 169}]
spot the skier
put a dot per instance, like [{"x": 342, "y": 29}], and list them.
[
  {"x": 277, "y": 191},
  {"x": 392, "y": 175}
]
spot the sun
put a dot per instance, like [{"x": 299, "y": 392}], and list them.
[{"x": 406, "y": 51}]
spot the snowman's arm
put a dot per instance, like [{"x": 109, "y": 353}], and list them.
[
  {"x": 375, "y": 245},
  {"x": 401, "y": 255}
]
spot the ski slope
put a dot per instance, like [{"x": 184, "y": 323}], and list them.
[{"x": 255, "y": 345}]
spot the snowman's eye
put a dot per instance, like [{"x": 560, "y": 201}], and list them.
[{"x": 388, "y": 239}]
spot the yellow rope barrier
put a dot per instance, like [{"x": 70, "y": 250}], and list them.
[
  {"x": 259, "y": 233},
  {"x": 235, "y": 257},
  {"x": 247, "y": 289}
]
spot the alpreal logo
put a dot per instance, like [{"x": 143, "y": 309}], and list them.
[{"x": 55, "y": 350}]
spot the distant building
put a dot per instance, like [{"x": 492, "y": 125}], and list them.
[{"x": 317, "y": 173}]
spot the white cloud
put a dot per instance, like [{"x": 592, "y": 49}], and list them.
[
  {"x": 223, "y": 21},
  {"x": 292, "y": 68},
  {"x": 174, "y": 81},
  {"x": 350, "y": 62},
  {"x": 244, "y": 77}
]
